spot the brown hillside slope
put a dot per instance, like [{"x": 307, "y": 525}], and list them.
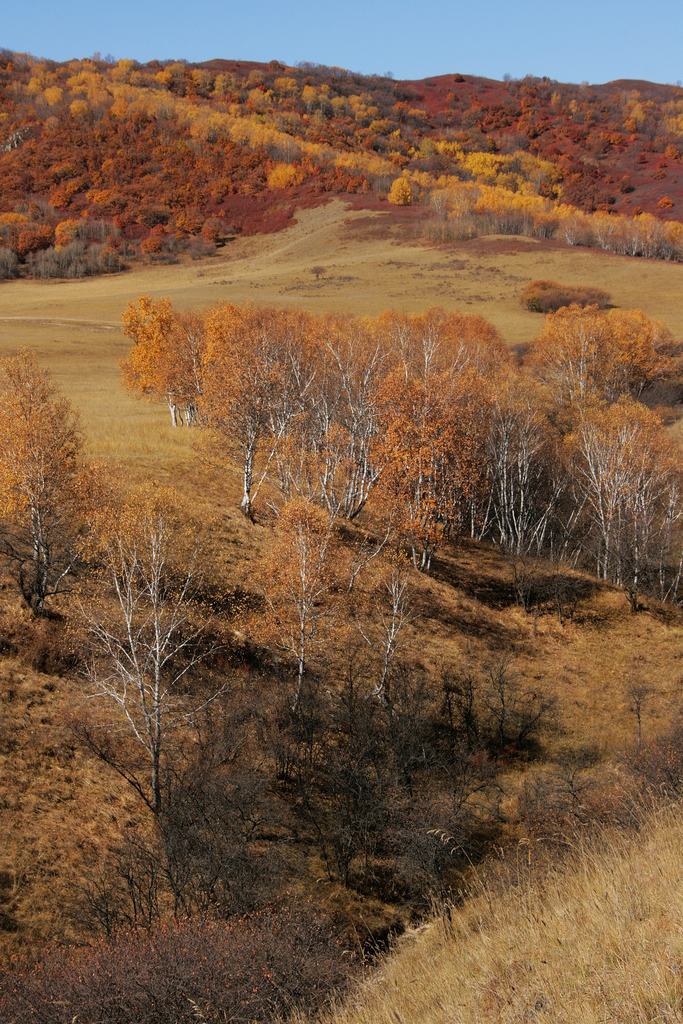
[
  {"x": 598, "y": 940},
  {"x": 62, "y": 812}
]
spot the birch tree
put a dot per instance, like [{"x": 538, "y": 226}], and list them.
[
  {"x": 255, "y": 384},
  {"x": 166, "y": 359},
  {"x": 299, "y": 579},
  {"x": 627, "y": 472},
  {"x": 586, "y": 353},
  {"x": 524, "y": 490},
  {"x": 147, "y": 636},
  {"x": 385, "y": 615},
  {"x": 433, "y": 436}
]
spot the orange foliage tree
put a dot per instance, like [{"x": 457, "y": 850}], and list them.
[
  {"x": 433, "y": 434},
  {"x": 584, "y": 353},
  {"x": 166, "y": 358},
  {"x": 45, "y": 484},
  {"x": 255, "y": 378}
]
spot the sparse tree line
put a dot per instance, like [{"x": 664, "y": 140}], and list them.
[
  {"x": 35, "y": 241},
  {"x": 427, "y": 422},
  {"x": 457, "y": 210}
]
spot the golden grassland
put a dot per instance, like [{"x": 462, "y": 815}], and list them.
[
  {"x": 468, "y": 616},
  {"x": 59, "y": 810},
  {"x": 370, "y": 265},
  {"x": 598, "y": 939}
]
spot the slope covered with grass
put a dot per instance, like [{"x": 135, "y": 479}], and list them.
[{"x": 598, "y": 939}]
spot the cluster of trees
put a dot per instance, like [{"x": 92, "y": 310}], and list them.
[
  {"x": 350, "y": 757},
  {"x": 549, "y": 296},
  {"x": 457, "y": 210},
  {"x": 425, "y": 420},
  {"x": 177, "y": 157}
]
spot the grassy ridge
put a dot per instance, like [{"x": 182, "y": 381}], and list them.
[{"x": 596, "y": 940}]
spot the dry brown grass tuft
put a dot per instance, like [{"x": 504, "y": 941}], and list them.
[{"x": 596, "y": 940}]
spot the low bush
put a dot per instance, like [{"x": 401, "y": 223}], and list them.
[
  {"x": 548, "y": 296},
  {"x": 8, "y": 264},
  {"x": 658, "y": 763},
  {"x": 75, "y": 260},
  {"x": 249, "y": 969}
]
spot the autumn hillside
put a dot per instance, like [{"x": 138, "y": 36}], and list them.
[
  {"x": 105, "y": 162},
  {"x": 341, "y": 546}
]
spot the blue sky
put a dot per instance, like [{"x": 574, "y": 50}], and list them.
[{"x": 581, "y": 41}]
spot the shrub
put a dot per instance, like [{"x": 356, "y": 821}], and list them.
[
  {"x": 8, "y": 264},
  {"x": 75, "y": 260},
  {"x": 548, "y": 296},
  {"x": 34, "y": 238},
  {"x": 658, "y": 764},
  {"x": 282, "y": 176},
  {"x": 197, "y": 247},
  {"x": 66, "y": 232},
  {"x": 255, "y": 968},
  {"x": 215, "y": 231}
]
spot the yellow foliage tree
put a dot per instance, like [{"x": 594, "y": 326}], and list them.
[
  {"x": 401, "y": 192},
  {"x": 65, "y": 232},
  {"x": 282, "y": 176},
  {"x": 587, "y": 353},
  {"x": 53, "y": 95},
  {"x": 79, "y": 108},
  {"x": 166, "y": 357}
]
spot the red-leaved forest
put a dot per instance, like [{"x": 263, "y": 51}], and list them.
[{"x": 103, "y": 161}]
